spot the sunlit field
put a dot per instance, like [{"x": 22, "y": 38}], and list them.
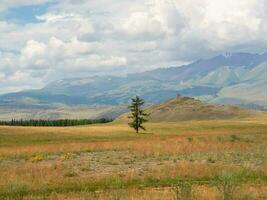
[{"x": 225, "y": 159}]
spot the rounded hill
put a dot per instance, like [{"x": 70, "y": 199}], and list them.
[{"x": 187, "y": 108}]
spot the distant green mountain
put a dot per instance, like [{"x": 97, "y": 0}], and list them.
[{"x": 238, "y": 78}]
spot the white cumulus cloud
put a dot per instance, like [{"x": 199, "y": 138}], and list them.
[{"x": 79, "y": 37}]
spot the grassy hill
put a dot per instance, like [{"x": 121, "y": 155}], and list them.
[{"x": 187, "y": 108}]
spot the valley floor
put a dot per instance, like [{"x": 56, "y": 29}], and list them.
[{"x": 224, "y": 159}]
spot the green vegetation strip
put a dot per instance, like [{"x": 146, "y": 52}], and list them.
[
  {"x": 20, "y": 189},
  {"x": 60, "y": 122}
]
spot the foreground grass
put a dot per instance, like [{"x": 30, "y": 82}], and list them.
[
  {"x": 18, "y": 189},
  {"x": 170, "y": 159}
]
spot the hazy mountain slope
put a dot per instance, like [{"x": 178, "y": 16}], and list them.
[
  {"x": 247, "y": 91},
  {"x": 229, "y": 78},
  {"x": 62, "y": 112},
  {"x": 203, "y": 67},
  {"x": 221, "y": 77},
  {"x": 251, "y": 89},
  {"x": 258, "y": 73},
  {"x": 186, "y": 108}
]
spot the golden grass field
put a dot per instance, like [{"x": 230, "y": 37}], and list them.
[{"x": 202, "y": 160}]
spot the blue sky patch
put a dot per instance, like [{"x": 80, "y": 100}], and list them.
[{"x": 25, "y": 14}]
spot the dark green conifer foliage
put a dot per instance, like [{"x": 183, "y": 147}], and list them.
[
  {"x": 138, "y": 116},
  {"x": 59, "y": 122}
]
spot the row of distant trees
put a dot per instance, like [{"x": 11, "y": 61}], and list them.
[
  {"x": 138, "y": 116},
  {"x": 60, "y": 122}
]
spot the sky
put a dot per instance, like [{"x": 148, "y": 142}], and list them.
[{"x": 45, "y": 40}]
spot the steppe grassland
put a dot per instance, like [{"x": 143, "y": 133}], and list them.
[{"x": 111, "y": 162}]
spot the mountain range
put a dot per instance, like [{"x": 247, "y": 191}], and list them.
[{"x": 230, "y": 78}]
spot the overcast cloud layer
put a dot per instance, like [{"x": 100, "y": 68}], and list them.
[{"x": 83, "y": 37}]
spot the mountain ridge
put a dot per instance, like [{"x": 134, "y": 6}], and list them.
[{"x": 213, "y": 80}]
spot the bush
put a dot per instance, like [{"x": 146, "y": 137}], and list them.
[
  {"x": 183, "y": 190},
  {"x": 37, "y": 158},
  {"x": 68, "y": 156},
  {"x": 70, "y": 174},
  {"x": 234, "y": 138},
  {"x": 227, "y": 184},
  {"x": 15, "y": 190},
  {"x": 190, "y": 139}
]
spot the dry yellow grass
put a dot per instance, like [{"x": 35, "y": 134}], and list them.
[
  {"x": 203, "y": 192},
  {"x": 46, "y": 157}
]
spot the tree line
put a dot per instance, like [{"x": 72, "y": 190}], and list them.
[{"x": 59, "y": 122}]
